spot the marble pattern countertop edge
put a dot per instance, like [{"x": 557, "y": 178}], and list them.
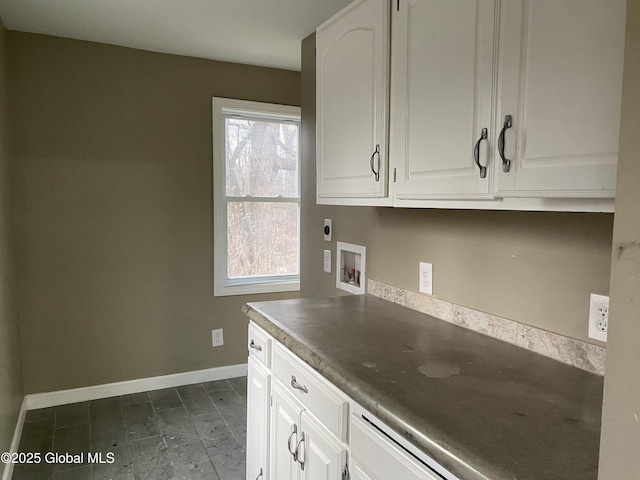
[{"x": 574, "y": 352}]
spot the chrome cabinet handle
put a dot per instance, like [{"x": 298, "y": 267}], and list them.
[
  {"x": 253, "y": 345},
  {"x": 298, "y": 456},
  {"x": 260, "y": 474},
  {"x": 506, "y": 163},
  {"x": 376, "y": 152},
  {"x": 296, "y": 385},
  {"x": 476, "y": 153},
  {"x": 345, "y": 473},
  {"x": 293, "y": 432}
]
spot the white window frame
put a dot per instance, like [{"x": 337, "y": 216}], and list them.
[{"x": 222, "y": 285}]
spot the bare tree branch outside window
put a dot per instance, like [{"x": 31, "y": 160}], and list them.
[{"x": 262, "y": 196}]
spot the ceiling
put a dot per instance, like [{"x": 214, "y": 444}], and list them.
[{"x": 255, "y": 32}]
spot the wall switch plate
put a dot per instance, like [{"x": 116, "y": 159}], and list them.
[
  {"x": 426, "y": 278},
  {"x": 217, "y": 340},
  {"x": 327, "y": 230},
  {"x": 327, "y": 261},
  {"x": 598, "y": 317}
]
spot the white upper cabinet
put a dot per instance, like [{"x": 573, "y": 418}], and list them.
[
  {"x": 561, "y": 81},
  {"x": 442, "y": 95},
  {"x": 352, "y": 88},
  {"x": 511, "y": 104}
]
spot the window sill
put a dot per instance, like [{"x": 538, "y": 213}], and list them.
[{"x": 255, "y": 288}]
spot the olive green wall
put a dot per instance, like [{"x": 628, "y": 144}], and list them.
[
  {"x": 10, "y": 360},
  {"x": 113, "y": 190},
  {"x": 534, "y": 267},
  {"x": 620, "y": 441}
]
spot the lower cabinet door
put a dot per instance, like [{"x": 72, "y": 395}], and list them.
[
  {"x": 323, "y": 456},
  {"x": 285, "y": 435},
  {"x": 258, "y": 397}
]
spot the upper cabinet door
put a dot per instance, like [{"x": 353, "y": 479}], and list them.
[
  {"x": 561, "y": 82},
  {"x": 442, "y": 95},
  {"x": 352, "y": 62}
]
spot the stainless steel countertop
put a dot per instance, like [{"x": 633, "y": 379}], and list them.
[{"x": 482, "y": 408}]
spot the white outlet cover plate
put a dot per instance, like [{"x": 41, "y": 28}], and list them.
[
  {"x": 217, "y": 338},
  {"x": 426, "y": 278},
  {"x": 598, "y": 313}
]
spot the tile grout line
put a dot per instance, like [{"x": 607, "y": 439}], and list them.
[
  {"x": 189, "y": 418},
  {"x": 55, "y": 426},
  {"x": 234, "y": 388},
  {"x": 90, "y": 443},
  {"x": 206, "y": 451},
  {"x": 227, "y": 423},
  {"x": 156, "y": 416},
  {"x": 163, "y": 441},
  {"x": 224, "y": 418},
  {"x": 182, "y": 402}
]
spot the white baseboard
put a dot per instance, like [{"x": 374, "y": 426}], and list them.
[
  {"x": 15, "y": 443},
  {"x": 51, "y": 399}
]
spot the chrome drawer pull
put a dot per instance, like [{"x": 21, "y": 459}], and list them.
[
  {"x": 506, "y": 163},
  {"x": 293, "y": 432},
  {"x": 296, "y": 385},
  {"x": 476, "y": 153},
  {"x": 297, "y": 455},
  {"x": 253, "y": 345},
  {"x": 373, "y": 155},
  {"x": 345, "y": 473}
]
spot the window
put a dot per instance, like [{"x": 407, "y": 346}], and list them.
[{"x": 256, "y": 204}]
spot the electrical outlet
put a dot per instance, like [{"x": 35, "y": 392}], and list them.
[
  {"x": 217, "y": 340},
  {"x": 327, "y": 261},
  {"x": 426, "y": 278},
  {"x": 598, "y": 317}
]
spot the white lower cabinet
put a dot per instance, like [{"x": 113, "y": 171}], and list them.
[
  {"x": 301, "y": 447},
  {"x": 285, "y": 430},
  {"x": 258, "y": 398},
  {"x": 298, "y": 428}
]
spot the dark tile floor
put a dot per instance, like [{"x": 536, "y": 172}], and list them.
[{"x": 190, "y": 432}]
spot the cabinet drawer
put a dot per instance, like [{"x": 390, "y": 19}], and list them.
[
  {"x": 259, "y": 345},
  {"x": 314, "y": 392},
  {"x": 383, "y": 457}
]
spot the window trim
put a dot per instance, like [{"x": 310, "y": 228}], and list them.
[{"x": 222, "y": 285}]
